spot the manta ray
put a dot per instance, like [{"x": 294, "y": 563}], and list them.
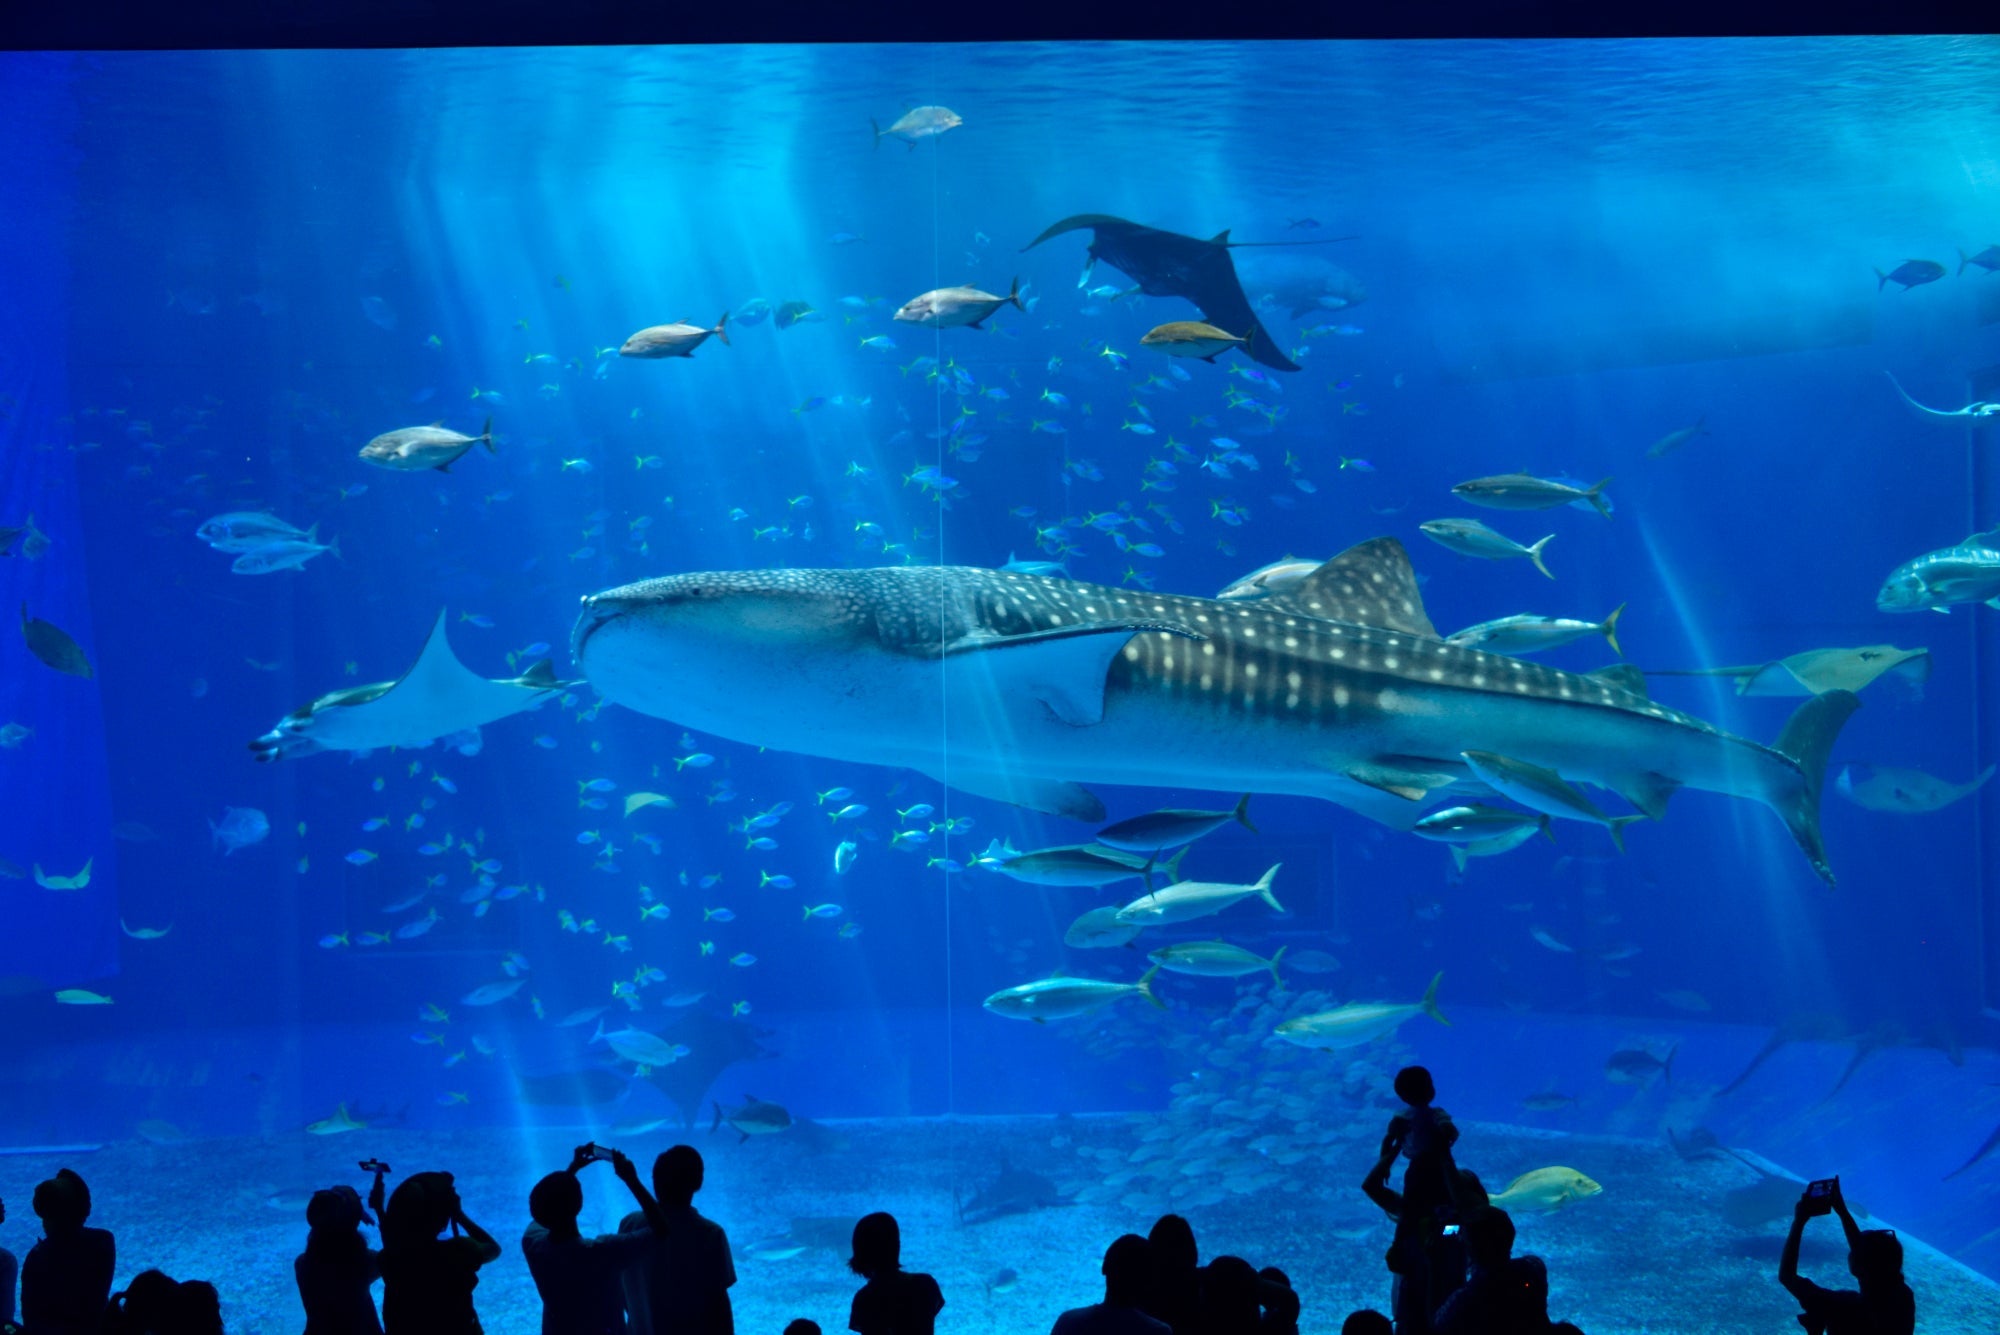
[
  {"x": 1025, "y": 688},
  {"x": 1167, "y": 264},
  {"x": 1978, "y": 411},
  {"x": 437, "y": 697},
  {"x": 1818, "y": 670}
]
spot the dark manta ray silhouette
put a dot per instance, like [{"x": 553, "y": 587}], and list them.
[
  {"x": 714, "y": 1044},
  {"x": 1167, "y": 264}
]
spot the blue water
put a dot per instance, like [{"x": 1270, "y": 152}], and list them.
[{"x": 226, "y": 272}]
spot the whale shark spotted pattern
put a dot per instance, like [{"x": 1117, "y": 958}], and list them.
[{"x": 1025, "y": 688}]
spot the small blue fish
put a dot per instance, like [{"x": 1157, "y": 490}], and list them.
[{"x": 361, "y": 857}]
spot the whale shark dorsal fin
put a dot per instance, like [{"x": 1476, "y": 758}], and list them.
[
  {"x": 1624, "y": 676},
  {"x": 1370, "y": 584}
]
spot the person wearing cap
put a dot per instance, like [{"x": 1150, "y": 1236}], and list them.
[
  {"x": 581, "y": 1279},
  {"x": 338, "y": 1267},
  {"x": 66, "y": 1278}
]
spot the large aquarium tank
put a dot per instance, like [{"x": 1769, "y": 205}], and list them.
[{"x": 1003, "y": 633}]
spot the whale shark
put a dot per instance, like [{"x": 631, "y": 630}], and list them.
[
  {"x": 1028, "y": 688},
  {"x": 437, "y": 697}
]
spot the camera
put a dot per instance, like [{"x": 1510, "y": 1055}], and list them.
[
  {"x": 1451, "y": 1230},
  {"x": 1820, "y": 1194},
  {"x": 374, "y": 1166},
  {"x": 597, "y": 1153}
]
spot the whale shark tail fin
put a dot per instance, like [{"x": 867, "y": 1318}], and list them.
[{"x": 1806, "y": 741}]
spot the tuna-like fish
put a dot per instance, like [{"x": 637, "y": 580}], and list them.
[
  {"x": 1987, "y": 259},
  {"x": 1339, "y": 688},
  {"x": 1544, "y": 790},
  {"x": 412, "y": 449},
  {"x": 246, "y": 531},
  {"x": 1909, "y": 274},
  {"x": 283, "y": 554},
  {"x": 1359, "y": 1022},
  {"x": 437, "y": 697},
  {"x": 1216, "y": 959},
  {"x": 1531, "y": 634},
  {"x": 1185, "y": 900},
  {"x": 1059, "y": 998},
  {"x": 1521, "y": 491},
  {"x": 956, "y": 307},
  {"x": 918, "y": 123},
  {"x": 1469, "y": 537},
  {"x": 673, "y": 340},
  {"x": 753, "y": 1117},
  {"x": 1273, "y": 578},
  {"x": 1099, "y": 929},
  {"x": 1157, "y": 831},
  {"x": 1075, "y": 865},
  {"x": 1938, "y": 581}
]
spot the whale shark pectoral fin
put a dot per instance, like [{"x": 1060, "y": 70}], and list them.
[
  {"x": 1648, "y": 792},
  {"x": 1411, "y": 778},
  {"x": 1369, "y": 584},
  {"x": 1050, "y": 796},
  {"x": 1064, "y": 667}
]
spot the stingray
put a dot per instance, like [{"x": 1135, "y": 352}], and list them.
[
  {"x": 714, "y": 1044},
  {"x": 1992, "y": 1143},
  {"x": 1977, "y": 411},
  {"x": 1015, "y": 1191},
  {"x": 1167, "y": 264},
  {"x": 436, "y": 698},
  {"x": 1795, "y": 1029},
  {"x": 1817, "y": 671}
]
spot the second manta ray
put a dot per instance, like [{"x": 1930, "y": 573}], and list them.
[
  {"x": 1167, "y": 264},
  {"x": 1030, "y": 686},
  {"x": 437, "y": 697}
]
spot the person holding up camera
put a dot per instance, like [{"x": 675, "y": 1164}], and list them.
[
  {"x": 1883, "y": 1306},
  {"x": 338, "y": 1266},
  {"x": 579, "y": 1278},
  {"x": 427, "y": 1281}
]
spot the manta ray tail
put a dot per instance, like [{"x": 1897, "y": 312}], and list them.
[{"x": 1807, "y": 739}]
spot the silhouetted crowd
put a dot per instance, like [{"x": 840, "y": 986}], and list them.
[{"x": 668, "y": 1269}]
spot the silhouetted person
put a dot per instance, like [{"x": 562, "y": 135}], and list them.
[
  {"x": 1434, "y": 1261},
  {"x": 1504, "y": 1294},
  {"x": 1229, "y": 1297},
  {"x": 802, "y": 1325},
  {"x": 581, "y": 1279},
  {"x": 1367, "y": 1321},
  {"x": 1883, "y": 1306},
  {"x": 10, "y": 1277},
  {"x": 1424, "y": 1133},
  {"x": 682, "y": 1288},
  {"x": 1128, "y": 1278},
  {"x": 143, "y": 1307},
  {"x": 1176, "y": 1292},
  {"x": 1280, "y": 1302},
  {"x": 427, "y": 1281},
  {"x": 338, "y": 1267},
  {"x": 66, "y": 1278},
  {"x": 894, "y": 1301},
  {"x": 195, "y": 1309}
]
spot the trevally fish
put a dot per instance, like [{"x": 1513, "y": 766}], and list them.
[
  {"x": 437, "y": 697},
  {"x": 247, "y": 530},
  {"x": 1338, "y": 687},
  {"x": 956, "y": 307},
  {"x": 1273, "y": 578},
  {"x": 1216, "y": 959},
  {"x": 1940, "y": 580},
  {"x": 1192, "y": 338},
  {"x": 918, "y": 123},
  {"x": 1358, "y": 1022},
  {"x": 412, "y": 449},
  {"x": 1086, "y": 865},
  {"x": 672, "y": 340},
  {"x": 268, "y": 558}
]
